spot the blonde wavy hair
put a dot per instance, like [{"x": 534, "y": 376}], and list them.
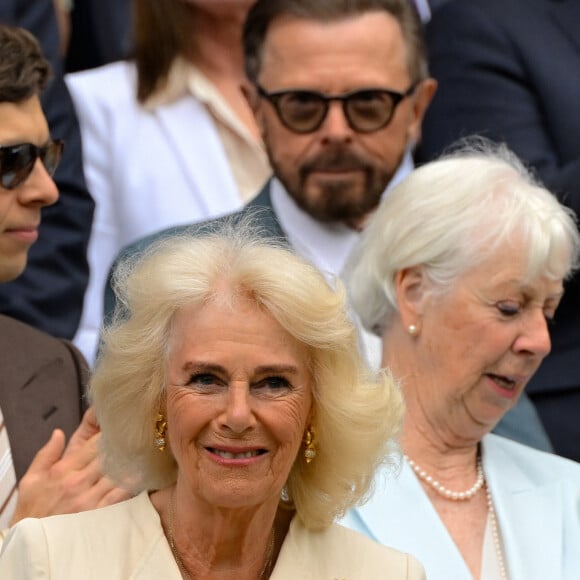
[{"x": 356, "y": 414}]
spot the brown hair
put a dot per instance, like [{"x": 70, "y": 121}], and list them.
[
  {"x": 264, "y": 12},
  {"x": 24, "y": 71},
  {"x": 160, "y": 34}
]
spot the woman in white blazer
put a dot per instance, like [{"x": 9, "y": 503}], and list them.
[
  {"x": 168, "y": 138},
  {"x": 460, "y": 271},
  {"x": 231, "y": 393}
]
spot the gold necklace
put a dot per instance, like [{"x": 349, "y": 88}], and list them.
[{"x": 185, "y": 573}]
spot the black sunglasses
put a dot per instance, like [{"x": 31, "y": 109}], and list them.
[
  {"x": 17, "y": 161},
  {"x": 366, "y": 110}
]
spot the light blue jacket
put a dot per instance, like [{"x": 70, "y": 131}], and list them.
[{"x": 537, "y": 500}]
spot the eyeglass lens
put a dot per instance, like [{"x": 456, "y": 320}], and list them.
[
  {"x": 365, "y": 110},
  {"x": 17, "y": 161}
]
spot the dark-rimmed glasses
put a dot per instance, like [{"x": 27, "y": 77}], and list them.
[
  {"x": 17, "y": 161},
  {"x": 366, "y": 110}
]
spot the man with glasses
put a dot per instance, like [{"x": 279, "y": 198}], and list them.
[
  {"x": 339, "y": 90},
  {"x": 42, "y": 378}
]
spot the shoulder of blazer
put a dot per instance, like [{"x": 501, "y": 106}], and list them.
[
  {"x": 22, "y": 344},
  {"x": 108, "y": 87}
]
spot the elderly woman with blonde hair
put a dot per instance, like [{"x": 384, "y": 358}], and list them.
[
  {"x": 460, "y": 272},
  {"x": 231, "y": 392}
]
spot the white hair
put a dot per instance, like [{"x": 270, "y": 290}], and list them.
[{"x": 451, "y": 215}]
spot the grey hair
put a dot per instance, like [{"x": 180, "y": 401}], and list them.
[{"x": 452, "y": 214}]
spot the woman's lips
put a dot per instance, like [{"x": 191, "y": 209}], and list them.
[
  {"x": 236, "y": 455},
  {"x": 506, "y": 385}
]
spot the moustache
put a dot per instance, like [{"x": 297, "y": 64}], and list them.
[{"x": 338, "y": 160}]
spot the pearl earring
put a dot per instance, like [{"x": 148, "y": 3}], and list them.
[{"x": 412, "y": 329}]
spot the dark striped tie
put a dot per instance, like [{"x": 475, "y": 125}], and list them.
[{"x": 8, "y": 489}]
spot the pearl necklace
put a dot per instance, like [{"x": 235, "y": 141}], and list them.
[
  {"x": 495, "y": 535},
  {"x": 180, "y": 565},
  {"x": 444, "y": 491},
  {"x": 466, "y": 495}
]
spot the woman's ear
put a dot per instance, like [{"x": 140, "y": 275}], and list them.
[{"x": 411, "y": 288}]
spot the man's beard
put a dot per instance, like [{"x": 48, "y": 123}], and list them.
[{"x": 336, "y": 200}]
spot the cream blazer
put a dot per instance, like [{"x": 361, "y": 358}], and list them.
[{"x": 126, "y": 541}]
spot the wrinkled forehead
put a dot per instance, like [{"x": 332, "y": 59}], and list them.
[{"x": 366, "y": 50}]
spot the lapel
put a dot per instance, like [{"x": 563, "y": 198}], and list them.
[
  {"x": 526, "y": 511},
  {"x": 261, "y": 207},
  {"x": 211, "y": 182},
  {"x": 400, "y": 514},
  {"x": 40, "y": 389},
  {"x": 566, "y": 13}
]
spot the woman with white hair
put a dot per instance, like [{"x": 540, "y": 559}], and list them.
[
  {"x": 460, "y": 271},
  {"x": 231, "y": 393}
]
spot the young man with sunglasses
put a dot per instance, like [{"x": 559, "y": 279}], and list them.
[
  {"x": 49, "y": 293},
  {"x": 42, "y": 378},
  {"x": 339, "y": 90}
]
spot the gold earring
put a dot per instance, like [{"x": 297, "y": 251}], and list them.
[
  {"x": 310, "y": 448},
  {"x": 160, "y": 428}
]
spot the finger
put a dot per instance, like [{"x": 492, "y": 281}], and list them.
[
  {"x": 49, "y": 453},
  {"x": 115, "y": 495},
  {"x": 87, "y": 429},
  {"x": 103, "y": 492},
  {"x": 82, "y": 456}
]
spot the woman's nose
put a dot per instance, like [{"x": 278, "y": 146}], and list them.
[
  {"x": 238, "y": 414},
  {"x": 535, "y": 336}
]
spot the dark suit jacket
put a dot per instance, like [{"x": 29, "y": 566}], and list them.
[
  {"x": 521, "y": 424},
  {"x": 42, "y": 381},
  {"x": 259, "y": 210},
  {"x": 49, "y": 294},
  {"x": 510, "y": 70},
  {"x": 100, "y": 33}
]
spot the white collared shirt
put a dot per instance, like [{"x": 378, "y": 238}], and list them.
[{"x": 328, "y": 245}]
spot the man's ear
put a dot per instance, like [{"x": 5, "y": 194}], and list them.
[
  {"x": 250, "y": 92},
  {"x": 421, "y": 100},
  {"x": 411, "y": 289}
]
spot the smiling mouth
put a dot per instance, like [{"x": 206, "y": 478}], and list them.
[{"x": 230, "y": 455}]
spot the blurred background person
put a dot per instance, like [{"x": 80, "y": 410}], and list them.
[
  {"x": 168, "y": 136},
  {"x": 42, "y": 378},
  {"x": 496, "y": 78},
  {"x": 461, "y": 270},
  {"x": 49, "y": 293},
  {"x": 231, "y": 383},
  {"x": 100, "y": 32},
  {"x": 62, "y": 10}
]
